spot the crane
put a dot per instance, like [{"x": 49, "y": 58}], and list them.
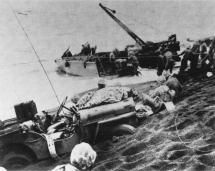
[
  {"x": 171, "y": 43},
  {"x": 147, "y": 53},
  {"x": 111, "y": 13}
]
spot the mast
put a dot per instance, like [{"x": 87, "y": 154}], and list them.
[{"x": 124, "y": 27}]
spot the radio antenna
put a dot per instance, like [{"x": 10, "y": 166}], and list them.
[{"x": 37, "y": 56}]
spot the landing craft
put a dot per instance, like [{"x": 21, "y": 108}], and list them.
[{"x": 100, "y": 64}]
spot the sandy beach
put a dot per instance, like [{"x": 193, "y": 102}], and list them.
[{"x": 180, "y": 140}]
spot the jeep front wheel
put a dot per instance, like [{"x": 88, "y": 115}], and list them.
[
  {"x": 16, "y": 160},
  {"x": 123, "y": 129}
]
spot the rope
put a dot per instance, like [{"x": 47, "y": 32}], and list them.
[
  {"x": 32, "y": 46},
  {"x": 185, "y": 143}
]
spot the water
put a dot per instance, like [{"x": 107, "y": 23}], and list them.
[{"x": 54, "y": 25}]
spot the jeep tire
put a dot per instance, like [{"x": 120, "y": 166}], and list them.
[
  {"x": 123, "y": 129},
  {"x": 16, "y": 160}
]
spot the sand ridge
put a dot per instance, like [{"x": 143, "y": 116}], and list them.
[{"x": 181, "y": 140}]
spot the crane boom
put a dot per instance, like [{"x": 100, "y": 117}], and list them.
[{"x": 131, "y": 33}]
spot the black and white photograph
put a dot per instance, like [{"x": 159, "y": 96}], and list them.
[{"x": 107, "y": 85}]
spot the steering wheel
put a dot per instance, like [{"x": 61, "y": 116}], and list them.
[{"x": 73, "y": 110}]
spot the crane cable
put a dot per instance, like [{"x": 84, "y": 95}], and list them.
[{"x": 32, "y": 46}]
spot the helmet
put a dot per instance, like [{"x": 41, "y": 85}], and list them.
[{"x": 83, "y": 155}]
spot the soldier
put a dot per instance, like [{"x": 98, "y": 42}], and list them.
[
  {"x": 132, "y": 63},
  {"x": 93, "y": 50},
  {"x": 186, "y": 53},
  {"x": 112, "y": 61},
  {"x": 203, "y": 50},
  {"x": 66, "y": 54},
  {"x": 162, "y": 94},
  {"x": 169, "y": 60},
  {"x": 86, "y": 50},
  {"x": 166, "y": 60},
  {"x": 192, "y": 55},
  {"x": 172, "y": 38},
  {"x": 160, "y": 61}
]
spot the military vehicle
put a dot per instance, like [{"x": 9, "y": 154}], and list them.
[{"x": 20, "y": 147}]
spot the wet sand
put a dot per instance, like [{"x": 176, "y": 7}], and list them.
[{"x": 181, "y": 140}]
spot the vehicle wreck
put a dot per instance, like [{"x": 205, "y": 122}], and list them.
[
  {"x": 92, "y": 117},
  {"x": 35, "y": 136}
]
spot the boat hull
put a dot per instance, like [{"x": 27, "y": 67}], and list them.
[{"x": 77, "y": 68}]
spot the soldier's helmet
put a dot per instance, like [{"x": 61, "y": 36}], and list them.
[
  {"x": 83, "y": 155},
  {"x": 189, "y": 47},
  {"x": 112, "y": 56},
  {"x": 131, "y": 53}
]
